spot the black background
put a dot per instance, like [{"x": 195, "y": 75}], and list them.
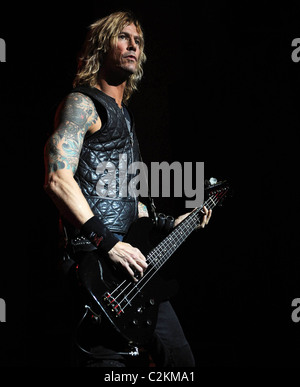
[{"x": 219, "y": 86}]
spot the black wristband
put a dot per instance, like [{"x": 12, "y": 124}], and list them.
[
  {"x": 169, "y": 223},
  {"x": 99, "y": 235},
  {"x": 164, "y": 223}
]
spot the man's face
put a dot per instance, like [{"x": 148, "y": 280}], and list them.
[{"x": 127, "y": 52}]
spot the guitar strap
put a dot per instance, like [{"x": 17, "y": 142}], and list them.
[
  {"x": 150, "y": 199},
  {"x": 164, "y": 223}
]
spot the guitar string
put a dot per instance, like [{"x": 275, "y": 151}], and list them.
[
  {"x": 193, "y": 218},
  {"x": 150, "y": 260},
  {"x": 186, "y": 230},
  {"x": 156, "y": 266}
]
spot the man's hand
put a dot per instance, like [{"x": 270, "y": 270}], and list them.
[
  {"x": 205, "y": 220},
  {"x": 130, "y": 258}
]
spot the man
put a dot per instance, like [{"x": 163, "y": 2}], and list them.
[{"x": 93, "y": 125}]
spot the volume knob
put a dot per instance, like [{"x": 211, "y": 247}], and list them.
[{"x": 151, "y": 302}]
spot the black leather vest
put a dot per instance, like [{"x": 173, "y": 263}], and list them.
[{"x": 102, "y": 169}]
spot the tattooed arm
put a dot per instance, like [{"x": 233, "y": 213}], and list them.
[
  {"x": 142, "y": 210},
  {"x": 75, "y": 118}
]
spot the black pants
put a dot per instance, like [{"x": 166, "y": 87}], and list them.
[{"x": 168, "y": 347}]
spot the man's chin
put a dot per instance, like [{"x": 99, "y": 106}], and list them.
[
  {"x": 130, "y": 69},
  {"x": 122, "y": 73}
]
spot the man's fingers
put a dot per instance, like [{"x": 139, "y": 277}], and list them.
[
  {"x": 206, "y": 218},
  {"x": 130, "y": 258},
  {"x": 139, "y": 258},
  {"x": 134, "y": 270},
  {"x": 209, "y": 216}
]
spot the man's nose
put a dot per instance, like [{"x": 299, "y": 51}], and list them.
[{"x": 132, "y": 44}]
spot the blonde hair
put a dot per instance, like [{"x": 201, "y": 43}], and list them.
[{"x": 103, "y": 35}]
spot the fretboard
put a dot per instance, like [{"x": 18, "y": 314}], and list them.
[{"x": 163, "y": 251}]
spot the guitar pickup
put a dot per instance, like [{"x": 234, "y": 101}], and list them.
[{"x": 113, "y": 304}]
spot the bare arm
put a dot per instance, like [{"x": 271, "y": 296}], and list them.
[
  {"x": 76, "y": 116},
  {"x": 142, "y": 210}
]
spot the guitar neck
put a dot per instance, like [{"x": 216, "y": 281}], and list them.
[
  {"x": 167, "y": 247},
  {"x": 164, "y": 250}
]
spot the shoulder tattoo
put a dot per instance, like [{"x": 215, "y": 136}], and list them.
[{"x": 74, "y": 118}]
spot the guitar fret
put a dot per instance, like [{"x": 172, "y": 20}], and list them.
[
  {"x": 160, "y": 254},
  {"x": 166, "y": 248}
]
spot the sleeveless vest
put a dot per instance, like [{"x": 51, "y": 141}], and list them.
[{"x": 102, "y": 170}]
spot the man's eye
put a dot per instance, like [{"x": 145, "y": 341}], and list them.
[
  {"x": 137, "y": 41},
  {"x": 122, "y": 36}
]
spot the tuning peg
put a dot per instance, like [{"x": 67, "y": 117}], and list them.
[{"x": 210, "y": 182}]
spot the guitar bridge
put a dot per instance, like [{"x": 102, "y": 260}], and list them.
[{"x": 113, "y": 304}]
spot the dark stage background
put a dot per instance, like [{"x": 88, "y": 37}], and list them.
[{"x": 220, "y": 87}]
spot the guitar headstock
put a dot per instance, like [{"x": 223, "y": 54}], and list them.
[{"x": 215, "y": 191}]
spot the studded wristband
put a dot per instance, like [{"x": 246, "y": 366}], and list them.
[{"x": 98, "y": 234}]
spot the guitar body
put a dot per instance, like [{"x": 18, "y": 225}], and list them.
[
  {"x": 131, "y": 308},
  {"x": 113, "y": 295}
]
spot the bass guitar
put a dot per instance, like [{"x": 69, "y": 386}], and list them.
[{"x": 131, "y": 307}]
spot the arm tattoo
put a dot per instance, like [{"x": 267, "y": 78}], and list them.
[
  {"x": 143, "y": 211},
  {"x": 74, "y": 119}
]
